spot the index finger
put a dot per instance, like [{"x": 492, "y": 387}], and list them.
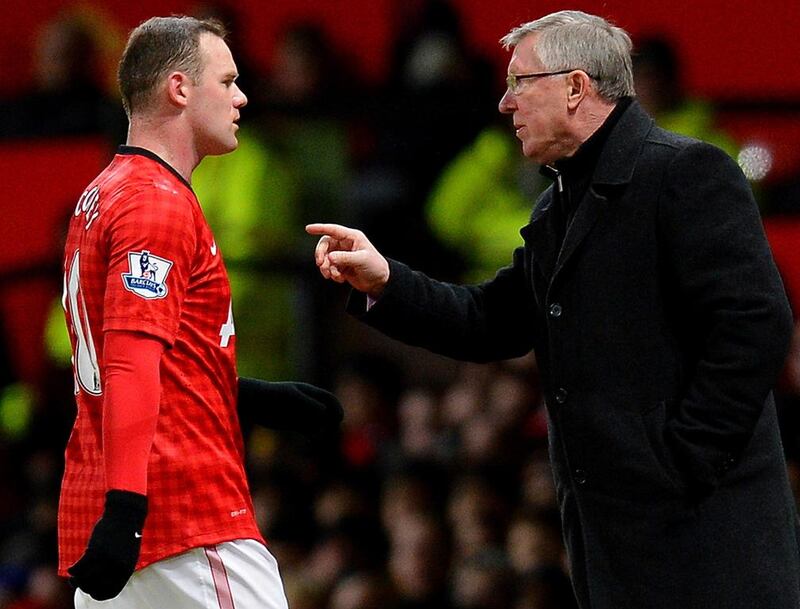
[{"x": 337, "y": 231}]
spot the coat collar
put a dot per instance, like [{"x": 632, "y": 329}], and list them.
[{"x": 617, "y": 161}]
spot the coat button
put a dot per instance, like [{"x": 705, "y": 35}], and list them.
[
  {"x": 556, "y": 310},
  {"x": 580, "y": 476},
  {"x": 727, "y": 463},
  {"x": 561, "y": 395}
]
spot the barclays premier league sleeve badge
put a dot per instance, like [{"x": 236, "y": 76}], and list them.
[{"x": 148, "y": 275}]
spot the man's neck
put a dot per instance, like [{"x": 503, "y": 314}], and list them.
[
  {"x": 592, "y": 120},
  {"x": 592, "y": 145},
  {"x": 166, "y": 139}
]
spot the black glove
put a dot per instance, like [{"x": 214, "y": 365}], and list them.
[
  {"x": 113, "y": 550},
  {"x": 288, "y": 406}
]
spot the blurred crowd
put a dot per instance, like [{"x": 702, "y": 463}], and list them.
[{"x": 436, "y": 492}]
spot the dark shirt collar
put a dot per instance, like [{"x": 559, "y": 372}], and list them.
[{"x": 582, "y": 163}]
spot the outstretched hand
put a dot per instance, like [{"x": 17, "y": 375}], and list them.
[{"x": 346, "y": 255}]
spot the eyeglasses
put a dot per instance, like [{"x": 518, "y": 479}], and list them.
[{"x": 513, "y": 81}]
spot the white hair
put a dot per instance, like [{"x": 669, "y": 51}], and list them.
[{"x": 574, "y": 40}]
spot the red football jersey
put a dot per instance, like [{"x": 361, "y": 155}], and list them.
[{"x": 141, "y": 257}]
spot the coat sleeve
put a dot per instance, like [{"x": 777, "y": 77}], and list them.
[
  {"x": 733, "y": 310},
  {"x": 490, "y": 321}
]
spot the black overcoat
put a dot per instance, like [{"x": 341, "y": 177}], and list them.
[{"x": 660, "y": 327}]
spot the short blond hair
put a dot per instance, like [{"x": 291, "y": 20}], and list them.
[{"x": 157, "y": 47}]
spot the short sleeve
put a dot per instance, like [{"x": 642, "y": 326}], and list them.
[{"x": 151, "y": 243}]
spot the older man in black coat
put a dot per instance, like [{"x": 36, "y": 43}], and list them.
[{"x": 648, "y": 291}]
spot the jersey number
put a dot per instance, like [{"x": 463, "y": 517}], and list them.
[{"x": 84, "y": 359}]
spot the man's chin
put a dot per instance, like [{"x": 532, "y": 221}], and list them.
[
  {"x": 530, "y": 152},
  {"x": 224, "y": 148}
]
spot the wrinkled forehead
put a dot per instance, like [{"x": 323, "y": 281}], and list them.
[{"x": 524, "y": 57}]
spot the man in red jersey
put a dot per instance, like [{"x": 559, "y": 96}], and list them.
[{"x": 154, "y": 479}]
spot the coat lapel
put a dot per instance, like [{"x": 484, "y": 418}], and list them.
[
  {"x": 613, "y": 172},
  {"x": 542, "y": 237},
  {"x": 585, "y": 217}
]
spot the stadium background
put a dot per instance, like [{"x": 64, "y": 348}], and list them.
[{"x": 452, "y": 452}]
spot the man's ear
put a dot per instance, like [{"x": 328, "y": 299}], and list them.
[
  {"x": 578, "y": 83},
  {"x": 178, "y": 89}
]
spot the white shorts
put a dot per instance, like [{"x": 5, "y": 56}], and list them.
[{"x": 239, "y": 574}]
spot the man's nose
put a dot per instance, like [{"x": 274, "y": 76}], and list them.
[
  {"x": 507, "y": 103},
  {"x": 240, "y": 99}
]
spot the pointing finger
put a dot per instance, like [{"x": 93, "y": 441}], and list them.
[{"x": 337, "y": 231}]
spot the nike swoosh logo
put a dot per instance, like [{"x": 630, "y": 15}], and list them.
[
  {"x": 213, "y": 248},
  {"x": 137, "y": 535}
]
